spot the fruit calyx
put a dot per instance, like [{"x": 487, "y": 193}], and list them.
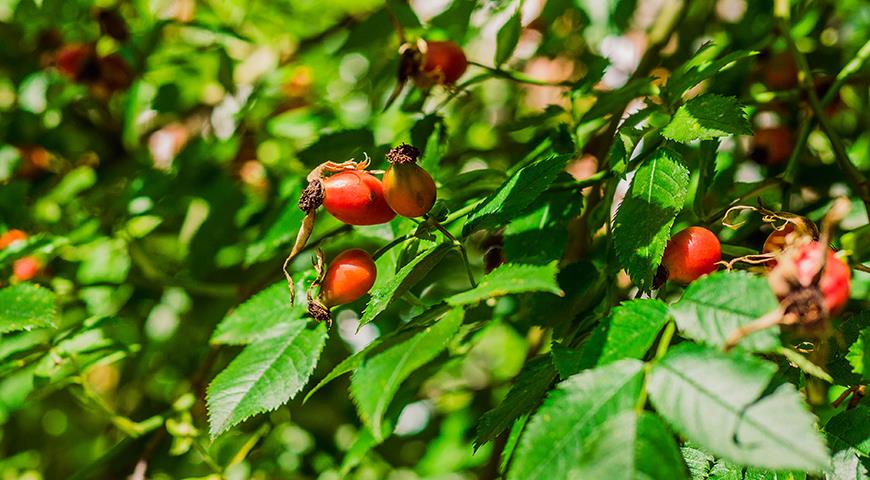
[
  {"x": 312, "y": 197},
  {"x": 403, "y": 154}
]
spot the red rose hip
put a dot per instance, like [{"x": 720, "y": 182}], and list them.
[
  {"x": 349, "y": 276},
  {"x": 444, "y": 62},
  {"x": 772, "y": 146},
  {"x": 11, "y": 236},
  {"x": 356, "y": 197},
  {"x": 835, "y": 281},
  {"x": 26, "y": 268},
  {"x": 691, "y": 253}
]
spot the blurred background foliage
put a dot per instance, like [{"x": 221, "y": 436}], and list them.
[{"x": 162, "y": 194}]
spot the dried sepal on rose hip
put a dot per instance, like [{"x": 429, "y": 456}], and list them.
[
  {"x": 689, "y": 254},
  {"x": 408, "y": 188},
  {"x": 788, "y": 230},
  {"x": 348, "y": 192},
  {"x": 810, "y": 280},
  {"x": 349, "y": 276}
]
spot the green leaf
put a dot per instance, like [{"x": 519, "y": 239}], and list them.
[
  {"x": 704, "y": 466},
  {"x": 265, "y": 315},
  {"x": 387, "y": 292},
  {"x": 377, "y": 380},
  {"x": 517, "y": 193},
  {"x": 339, "y": 146},
  {"x": 852, "y": 428},
  {"x": 698, "y": 69},
  {"x": 104, "y": 260},
  {"x": 541, "y": 235},
  {"x": 706, "y": 117},
  {"x": 264, "y": 376},
  {"x": 509, "y": 279},
  {"x": 568, "y": 361},
  {"x": 773, "y": 431},
  {"x": 643, "y": 222},
  {"x": 507, "y": 38},
  {"x": 398, "y": 336},
  {"x": 511, "y": 442},
  {"x": 631, "y": 447},
  {"x": 613, "y": 102},
  {"x": 26, "y": 306},
  {"x": 859, "y": 354},
  {"x": 846, "y": 465},
  {"x": 583, "y": 285},
  {"x": 281, "y": 232},
  {"x": 632, "y": 328},
  {"x": 698, "y": 461},
  {"x": 455, "y": 20},
  {"x": 714, "y": 306},
  {"x": 628, "y": 332},
  {"x": 553, "y": 441},
  {"x": 526, "y": 392}
]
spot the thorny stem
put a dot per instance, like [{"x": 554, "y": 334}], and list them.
[
  {"x": 457, "y": 244},
  {"x": 462, "y": 212},
  {"x": 386, "y": 248}
]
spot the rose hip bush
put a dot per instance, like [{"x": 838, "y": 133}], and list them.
[{"x": 457, "y": 239}]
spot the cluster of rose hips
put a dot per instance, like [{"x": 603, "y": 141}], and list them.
[
  {"x": 25, "y": 268},
  {"x": 354, "y": 196},
  {"x": 810, "y": 280}
]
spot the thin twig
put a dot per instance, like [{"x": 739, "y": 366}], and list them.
[
  {"x": 458, "y": 245},
  {"x": 521, "y": 77}
]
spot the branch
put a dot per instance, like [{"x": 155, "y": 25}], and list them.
[
  {"x": 521, "y": 77},
  {"x": 854, "y": 176}
]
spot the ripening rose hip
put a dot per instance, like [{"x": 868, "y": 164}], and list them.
[
  {"x": 408, "y": 188},
  {"x": 349, "y": 276},
  {"x": 772, "y": 146},
  {"x": 11, "y": 236},
  {"x": 115, "y": 73},
  {"x": 780, "y": 72},
  {"x": 444, "y": 62},
  {"x": 835, "y": 281},
  {"x": 778, "y": 239},
  {"x": 78, "y": 62},
  {"x": 356, "y": 197},
  {"x": 691, "y": 253},
  {"x": 26, "y": 268}
]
